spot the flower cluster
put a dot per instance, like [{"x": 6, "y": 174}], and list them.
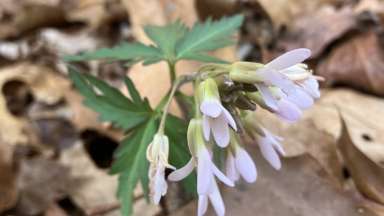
[{"x": 226, "y": 96}]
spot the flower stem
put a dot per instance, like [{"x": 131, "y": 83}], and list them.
[
  {"x": 175, "y": 86},
  {"x": 172, "y": 71}
]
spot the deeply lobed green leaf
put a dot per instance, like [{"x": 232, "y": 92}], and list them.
[
  {"x": 208, "y": 36},
  {"x": 172, "y": 42}
]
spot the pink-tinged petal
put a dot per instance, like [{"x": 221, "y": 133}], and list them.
[
  {"x": 206, "y": 127},
  {"x": 275, "y": 142},
  {"x": 311, "y": 86},
  {"x": 278, "y": 148},
  {"x": 300, "y": 98},
  {"x": 245, "y": 165},
  {"x": 221, "y": 176},
  {"x": 183, "y": 172},
  {"x": 267, "y": 96},
  {"x": 202, "y": 205},
  {"x": 289, "y": 59},
  {"x": 217, "y": 200},
  {"x": 204, "y": 172},
  {"x": 229, "y": 118},
  {"x": 220, "y": 131},
  {"x": 231, "y": 170},
  {"x": 277, "y": 79},
  {"x": 269, "y": 152},
  {"x": 211, "y": 108},
  {"x": 288, "y": 111}
]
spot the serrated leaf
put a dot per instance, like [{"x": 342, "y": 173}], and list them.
[
  {"x": 132, "y": 52},
  {"x": 109, "y": 102},
  {"x": 166, "y": 37},
  {"x": 135, "y": 95},
  {"x": 207, "y": 36},
  {"x": 137, "y": 168}
]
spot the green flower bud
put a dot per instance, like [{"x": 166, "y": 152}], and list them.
[{"x": 245, "y": 72}]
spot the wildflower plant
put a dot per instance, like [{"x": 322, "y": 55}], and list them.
[{"x": 225, "y": 98}]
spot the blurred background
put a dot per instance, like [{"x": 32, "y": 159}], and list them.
[{"x": 55, "y": 155}]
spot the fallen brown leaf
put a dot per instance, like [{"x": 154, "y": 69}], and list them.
[
  {"x": 316, "y": 31},
  {"x": 358, "y": 62},
  {"x": 45, "y": 87},
  {"x": 41, "y": 183},
  {"x": 283, "y": 12},
  {"x": 368, "y": 175}
]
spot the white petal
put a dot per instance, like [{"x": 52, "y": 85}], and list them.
[
  {"x": 278, "y": 147},
  {"x": 221, "y": 176},
  {"x": 229, "y": 118},
  {"x": 245, "y": 165},
  {"x": 211, "y": 108},
  {"x": 269, "y": 152},
  {"x": 280, "y": 80},
  {"x": 267, "y": 96},
  {"x": 289, "y": 59},
  {"x": 160, "y": 186},
  {"x": 202, "y": 205},
  {"x": 288, "y": 110},
  {"x": 311, "y": 86},
  {"x": 300, "y": 98},
  {"x": 204, "y": 172},
  {"x": 231, "y": 170},
  {"x": 220, "y": 131},
  {"x": 217, "y": 200},
  {"x": 206, "y": 127},
  {"x": 183, "y": 172}
]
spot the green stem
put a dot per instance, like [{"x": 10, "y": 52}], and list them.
[
  {"x": 175, "y": 86},
  {"x": 172, "y": 71},
  {"x": 196, "y": 98}
]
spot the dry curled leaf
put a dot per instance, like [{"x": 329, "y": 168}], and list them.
[
  {"x": 316, "y": 31},
  {"x": 45, "y": 87},
  {"x": 8, "y": 186},
  {"x": 367, "y": 174},
  {"x": 41, "y": 182},
  {"x": 283, "y": 12},
  {"x": 358, "y": 62}
]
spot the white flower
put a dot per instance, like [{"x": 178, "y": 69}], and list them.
[
  {"x": 270, "y": 148},
  {"x": 206, "y": 170},
  {"x": 217, "y": 201},
  {"x": 288, "y": 86},
  {"x": 240, "y": 164},
  {"x": 215, "y": 117},
  {"x": 269, "y": 144},
  {"x": 157, "y": 155}
]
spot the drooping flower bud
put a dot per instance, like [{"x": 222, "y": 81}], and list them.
[{"x": 157, "y": 155}]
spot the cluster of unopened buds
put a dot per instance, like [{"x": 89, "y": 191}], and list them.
[{"x": 226, "y": 96}]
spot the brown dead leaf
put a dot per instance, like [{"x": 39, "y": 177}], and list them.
[
  {"x": 21, "y": 16},
  {"x": 358, "y": 62},
  {"x": 373, "y": 6},
  {"x": 8, "y": 174},
  {"x": 368, "y": 175},
  {"x": 41, "y": 183},
  {"x": 283, "y": 12},
  {"x": 298, "y": 189},
  {"x": 89, "y": 186},
  {"x": 45, "y": 87},
  {"x": 316, "y": 31}
]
